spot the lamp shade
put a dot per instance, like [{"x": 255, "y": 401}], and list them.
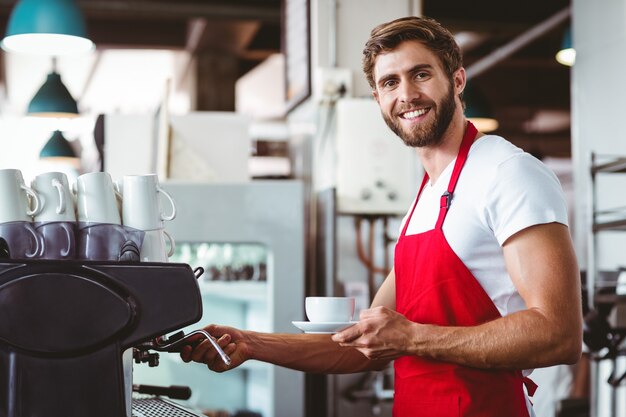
[
  {"x": 567, "y": 53},
  {"x": 53, "y": 99},
  {"x": 57, "y": 147},
  {"x": 46, "y": 27},
  {"x": 478, "y": 110}
]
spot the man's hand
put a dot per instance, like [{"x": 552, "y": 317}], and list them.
[
  {"x": 230, "y": 340},
  {"x": 380, "y": 334}
]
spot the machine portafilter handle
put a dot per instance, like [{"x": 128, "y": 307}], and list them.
[{"x": 178, "y": 340}]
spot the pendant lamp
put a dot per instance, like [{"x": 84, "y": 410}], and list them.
[
  {"x": 57, "y": 146},
  {"x": 478, "y": 110},
  {"x": 59, "y": 150},
  {"x": 46, "y": 27},
  {"x": 567, "y": 53},
  {"x": 53, "y": 99}
]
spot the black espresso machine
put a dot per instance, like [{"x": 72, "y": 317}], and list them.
[{"x": 64, "y": 326}]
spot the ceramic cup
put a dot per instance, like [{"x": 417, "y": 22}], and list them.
[
  {"x": 96, "y": 199},
  {"x": 14, "y": 202},
  {"x": 141, "y": 205},
  {"x": 108, "y": 242},
  {"x": 59, "y": 239},
  {"x": 22, "y": 239},
  {"x": 57, "y": 202},
  {"x": 329, "y": 309},
  {"x": 154, "y": 248}
]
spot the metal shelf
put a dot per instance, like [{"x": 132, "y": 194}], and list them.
[
  {"x": 244, "y": 291},
  {"x": 601, "y": 220},
  {"x": 616, "y": 165},
  {"x": 613, "y": 225}
]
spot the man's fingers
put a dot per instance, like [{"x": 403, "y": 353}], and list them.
[
  {"x": 224, "y": 340},
  {"x": 204, "y": 350},
  {"x": 201, "y": 350},
  {"x": 185, "y": 353},
  {"x": 347, "y": 335}
]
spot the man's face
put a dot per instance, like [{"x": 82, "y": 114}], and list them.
[{"x": 416, "y": 97}]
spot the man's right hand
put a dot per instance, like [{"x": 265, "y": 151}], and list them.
[{"x": 230, "y": 340}]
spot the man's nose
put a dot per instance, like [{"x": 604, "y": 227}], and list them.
[{"x": 408, "y": 92}]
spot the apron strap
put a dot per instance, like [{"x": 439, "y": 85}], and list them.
[
  {"x": 446, "y": 198},
  {"x": 530, "y": 385},
  {"x": 408, "y": 219}
]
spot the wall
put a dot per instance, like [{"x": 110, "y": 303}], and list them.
[
  {"x": 598, "y": 107},
  {"x": 355, "y": 20}
]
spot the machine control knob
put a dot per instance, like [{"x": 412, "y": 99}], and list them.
[
  {"x": 142, "y": 356},
  {"x": 153, "y": 360},
  {"x": 366, "y": 194},
  {"x": 392, "y": 195}
]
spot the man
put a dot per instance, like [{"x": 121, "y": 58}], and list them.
[{"x": 485, "y": 282}]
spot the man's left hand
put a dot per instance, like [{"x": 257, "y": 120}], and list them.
[{"x": 380, "y": 334}]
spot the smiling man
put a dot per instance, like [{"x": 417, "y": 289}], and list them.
[{"x": 485, "y": 284}]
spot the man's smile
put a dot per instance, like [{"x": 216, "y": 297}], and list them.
[{"x": 414, "y": 114}]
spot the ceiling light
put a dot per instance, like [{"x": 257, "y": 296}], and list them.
[
  {"x": 53, "y": 99},
  {"x": 478, "y": 111},
  {"x": 46, "y": 27},
  {"x": 57, "y": 146},
  {"x": 59, "y": 150},
  {"x": 567, "y": 54}
]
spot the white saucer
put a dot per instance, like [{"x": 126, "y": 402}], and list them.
[{"x": 322, "y": 327}]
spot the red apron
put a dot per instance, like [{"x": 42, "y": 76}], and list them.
[{"x": 433, "y": 286}]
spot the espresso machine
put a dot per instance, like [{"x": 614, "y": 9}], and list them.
[{"x": 65, "y": 326}]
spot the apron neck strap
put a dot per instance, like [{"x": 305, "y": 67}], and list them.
[
  {"x": 408, "y": 219},
  {"x": 446, "y": 198}
]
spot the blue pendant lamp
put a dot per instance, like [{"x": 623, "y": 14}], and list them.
[
  {"x": 57, "y": 147},
  {"x": 59, "y": 151},
  {"x": 46, "y": 27},
  {"x": 567, "y": 53},
  {"x": 478, "y": 110},
  {"x": 53, "y": 99}
]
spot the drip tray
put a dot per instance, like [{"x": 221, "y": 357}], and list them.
[{"x": 157, "y": 407}]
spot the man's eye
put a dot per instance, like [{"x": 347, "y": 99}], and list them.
[
  {"x": 389, "y": 83},
  {"x": 421, "y": 75}
]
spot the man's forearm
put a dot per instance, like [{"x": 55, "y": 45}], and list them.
[
  {"x": 308, "y": 353},
  {"x": 522, "y": 340}
]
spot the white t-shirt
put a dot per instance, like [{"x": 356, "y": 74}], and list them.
[{"x": 501, "y": 190}]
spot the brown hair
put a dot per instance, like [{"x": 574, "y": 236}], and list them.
[{"x": 436, "y": 38}]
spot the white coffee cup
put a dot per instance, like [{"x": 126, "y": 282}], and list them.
[
  {"x": 57, "y": 202},
  {"x": 59, "y": 239},
  {"x": 329, "y": 309},
  {"x": 154, "y": 248},
  {"x": 141, "y": 206},
  {"x": 96, "y": 199},
  {"x": 14, "y": 194}
]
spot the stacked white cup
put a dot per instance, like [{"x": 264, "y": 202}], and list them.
[
  {"x": 96, "y": 199},
  {"x": 141, "y": 209},
  {"x": 16, "y": 207},
  {"x": 56, "y": 217}
]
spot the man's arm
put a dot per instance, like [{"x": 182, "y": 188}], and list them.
[
  {"x": 543, "y": 267},
  {"x": 304, "y": 352}
]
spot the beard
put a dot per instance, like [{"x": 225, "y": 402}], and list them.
[{"x": 425, "y": 134}]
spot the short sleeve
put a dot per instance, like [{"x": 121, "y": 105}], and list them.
[{"x": 523, "y": 193}]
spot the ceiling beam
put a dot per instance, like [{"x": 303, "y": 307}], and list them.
[
  {"x": 214, "y": 10},
  {"x": 517, "y": 43},
  {"x": 137, "y": 33}
]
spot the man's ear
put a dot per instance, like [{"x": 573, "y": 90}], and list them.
[
  {"x": 375, "y": 94},
  {"x": 460, "y": 79}
]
